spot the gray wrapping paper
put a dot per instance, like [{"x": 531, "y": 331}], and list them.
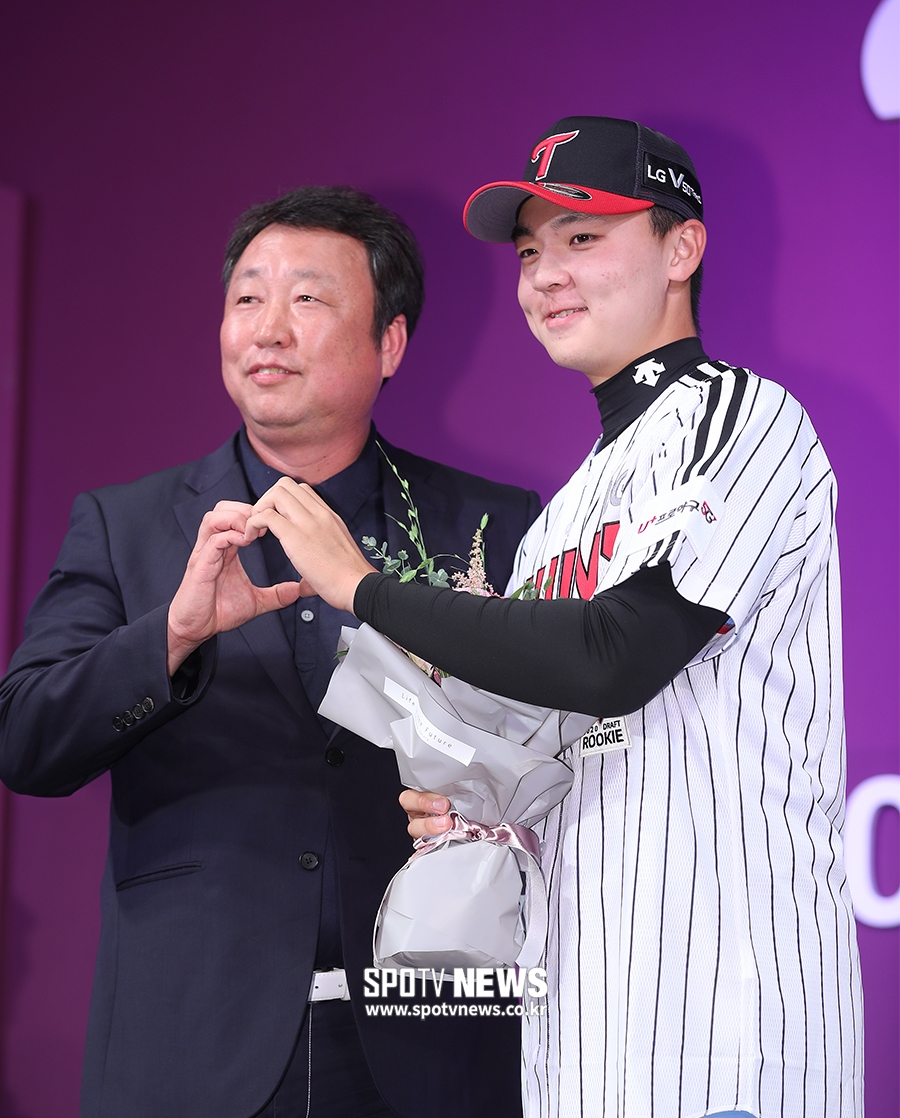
[
  {"x": 451, "y": 908},
  {"x": 495, "y": 759}
]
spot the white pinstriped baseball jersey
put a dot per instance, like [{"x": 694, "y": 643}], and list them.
[{"x": 702, "y": 951}]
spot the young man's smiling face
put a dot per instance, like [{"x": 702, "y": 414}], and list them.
[{"x": 598, "y": 290}]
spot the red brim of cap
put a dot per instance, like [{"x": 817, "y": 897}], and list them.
[{"x": 490, "y": 214}]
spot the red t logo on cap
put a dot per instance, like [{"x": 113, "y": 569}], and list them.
[{"x": 545, "y": 150}]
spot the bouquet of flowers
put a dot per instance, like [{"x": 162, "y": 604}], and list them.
[{"x": 474, "y": 895}]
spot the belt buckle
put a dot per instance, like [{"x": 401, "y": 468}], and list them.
[{"x": 329, "y": 985}]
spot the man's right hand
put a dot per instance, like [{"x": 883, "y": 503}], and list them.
[{"x": 215, "y": 594}]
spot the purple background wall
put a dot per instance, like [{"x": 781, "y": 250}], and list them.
[{"x": 140, "y": 131}]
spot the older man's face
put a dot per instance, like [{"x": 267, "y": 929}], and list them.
[{"x": 298, "y": 356}]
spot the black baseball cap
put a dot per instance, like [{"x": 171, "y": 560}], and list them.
[{"x": 594, "y": 165}]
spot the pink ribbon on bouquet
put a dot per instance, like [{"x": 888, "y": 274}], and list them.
[{"x": 464, "y": 830}]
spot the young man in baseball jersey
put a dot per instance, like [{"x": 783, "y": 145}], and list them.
[{"x": 701, "y": 954}]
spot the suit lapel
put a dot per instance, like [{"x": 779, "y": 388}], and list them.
[{"x": 220, "y": 478}]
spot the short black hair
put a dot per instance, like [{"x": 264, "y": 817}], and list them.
[
  {"x": 662, "y": 222},
  {"x": 395, "y": 260}
]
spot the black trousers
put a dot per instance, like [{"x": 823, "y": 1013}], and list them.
[{"x": 328, "y": 1076}]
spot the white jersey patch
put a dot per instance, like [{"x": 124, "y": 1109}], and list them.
[{"x": 604, "y": 736}]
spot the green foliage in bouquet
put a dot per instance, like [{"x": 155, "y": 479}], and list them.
[
  {"x": 401, "y": 566},
  {"x": 473, "y": 580},
  {"x": 527, "y": 591}
]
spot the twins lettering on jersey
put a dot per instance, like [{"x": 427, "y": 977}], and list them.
[{"x": 573, "y": 570}]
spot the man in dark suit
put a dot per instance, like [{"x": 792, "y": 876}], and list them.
[{"x": 245, "y": 855}]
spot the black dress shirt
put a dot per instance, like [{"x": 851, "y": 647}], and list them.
[{"x": 313, "y": 627}]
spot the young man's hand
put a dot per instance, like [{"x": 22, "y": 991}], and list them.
[
  {"x": 427, "y": 812},
  {"x": 315, "y": 539}
]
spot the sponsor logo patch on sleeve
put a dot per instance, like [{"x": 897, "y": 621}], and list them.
[{"x": 693, "y": 508}]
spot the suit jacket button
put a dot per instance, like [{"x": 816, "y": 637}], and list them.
[
  {"x": 118, "y": 724},
  {"x": 138, "y": 711},
  {"x": 309, "y": 861},
  {"x": 128, "y": 718},
  {"x": 334, "y": 756},
  {"x": 147, "y": 704}
]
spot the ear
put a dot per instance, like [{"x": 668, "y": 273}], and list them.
[
  {"x": 393, "y": 346},
  {"x": 689, "y": 243}
]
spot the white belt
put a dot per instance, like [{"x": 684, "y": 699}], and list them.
[{"x": 327, "y": 985}]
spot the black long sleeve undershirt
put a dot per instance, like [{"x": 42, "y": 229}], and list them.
[{"x": 607, "y": 656}]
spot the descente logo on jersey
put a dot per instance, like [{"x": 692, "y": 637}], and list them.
[
  {"x": 648, "y": 372},
  {"x": 572, "y": 570},
  {"x": 671, "y": 178}
]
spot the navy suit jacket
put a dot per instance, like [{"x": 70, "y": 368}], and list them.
[{"x": 210, "y": 911}]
